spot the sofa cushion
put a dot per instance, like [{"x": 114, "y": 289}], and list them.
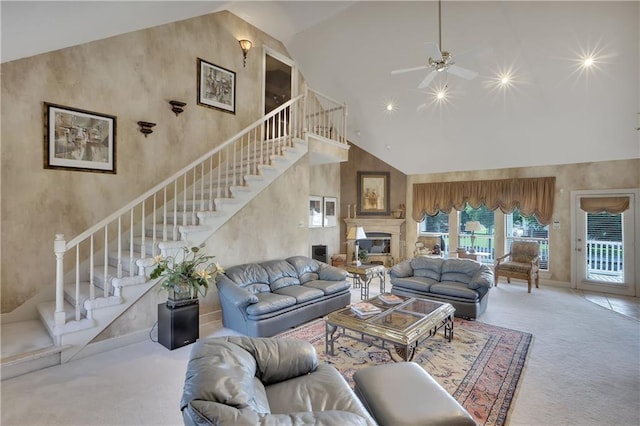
[
  {"x": 328, "y": 287},
  {"x": 270, "y": 302},
  {"x": 301, "y": 293},
  {"x": 306, "y": 268},
  {"x": 250, "y": 276},
  {"x": 281, "y": 274},
  {"x": 427, "y": 267},
  {"x": 454, "y": 289},
  {"x": 414, "y": 283},
  {"x": 309, "y": 393},
  {"x": 459, "y": 270}
]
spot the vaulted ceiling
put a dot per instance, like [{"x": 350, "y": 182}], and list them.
[{"x": 554, "y": 112}]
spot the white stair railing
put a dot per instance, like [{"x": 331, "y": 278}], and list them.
[
  {"x": 325, "y": 117},
  {"x": 177, "y": 200}
]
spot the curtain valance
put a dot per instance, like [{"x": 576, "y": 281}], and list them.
[
  {"x": 533, "y": 196},
  {"x": 611, "y": 205}
]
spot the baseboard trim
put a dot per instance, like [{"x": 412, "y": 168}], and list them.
[{"x": 113, "y": 343}]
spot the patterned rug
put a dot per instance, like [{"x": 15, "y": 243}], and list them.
[{"x": 480, "y": 367}]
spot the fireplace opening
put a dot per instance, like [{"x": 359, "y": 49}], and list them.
[{"x": 376, "y": 243}]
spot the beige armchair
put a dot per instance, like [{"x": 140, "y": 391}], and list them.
[
  {"x": 521, "y": 262},
  {"x": 425, "y": 245}
]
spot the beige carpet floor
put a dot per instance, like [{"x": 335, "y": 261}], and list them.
[{"x": 583, "y": 368}]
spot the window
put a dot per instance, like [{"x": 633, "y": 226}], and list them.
[
  {"x": 480, "y": 240},
  {"x": 436, "y": 225},
  {"x": 527, "y": 228}
]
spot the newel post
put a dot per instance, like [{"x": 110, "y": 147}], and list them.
[
  {"x": 305, "y": 119},
  {"x": 59, "y": 248}
]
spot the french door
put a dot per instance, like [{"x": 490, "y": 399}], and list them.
[{"x": 604, "y": 235}]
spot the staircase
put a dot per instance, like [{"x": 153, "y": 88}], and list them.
[{"x": 103, "y": 271}]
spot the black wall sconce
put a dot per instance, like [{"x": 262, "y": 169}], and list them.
[
  {"x": 177, "y": 107},
  {"x": 245, "y": 45},
  {"x": 145, "y": 127}
]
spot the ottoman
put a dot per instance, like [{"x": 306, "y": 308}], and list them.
[{"x": 404, "y": 394}]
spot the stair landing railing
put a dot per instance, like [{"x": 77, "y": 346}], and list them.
[
  {"x": 325, "y": 117},
  {"x": 174, "y": 202}
]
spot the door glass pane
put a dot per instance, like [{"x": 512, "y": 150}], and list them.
[{"x": 605, "y": 251}]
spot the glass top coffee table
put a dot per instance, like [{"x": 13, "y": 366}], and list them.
[{"x": 403, "y": 325}]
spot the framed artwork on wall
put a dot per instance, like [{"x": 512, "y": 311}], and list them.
[
  {"x": 216, "y": 87},
  {"x": 75, "y": 139},
  {"x": 330, "y": 211},
  {"x": 373, "y": 193},
  {"x": 315, "y": 211}
]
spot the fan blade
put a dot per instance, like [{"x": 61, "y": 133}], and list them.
[
  {"x": 428, "y": 79},
  {"x": 462, "y": 72},
  {"x": 410, "y": 69}
]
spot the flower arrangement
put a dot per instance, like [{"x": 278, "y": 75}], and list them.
[{"x": 189, "y": 277}]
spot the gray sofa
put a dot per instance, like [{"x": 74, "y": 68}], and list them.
[
  {"x": 263, "y": 299},
  {"x": 261, "y": 381},
  {"x": 464, "y": 283}
]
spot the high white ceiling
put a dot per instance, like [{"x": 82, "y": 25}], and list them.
[{"x": 554, "y": 114}]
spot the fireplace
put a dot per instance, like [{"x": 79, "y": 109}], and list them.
[
  {"x": 376, "y": 243},
  {"x": 382, "y": 242}
]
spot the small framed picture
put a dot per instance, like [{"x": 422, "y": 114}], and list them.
[
  {"x": 216, "y": 87},
  {"x": 330, "y": 204},
  {"x": 315, "y": 211},
  {"x": 75, "y": 139}
]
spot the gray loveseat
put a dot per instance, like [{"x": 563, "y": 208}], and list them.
[
  {"x": 261, "y": 381},
  {"x": 263, "y": 299},
  {"x": 462, "y": 282}
]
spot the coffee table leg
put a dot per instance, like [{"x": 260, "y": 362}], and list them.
[
  {"x": 330, "y": 331},
  {"x": 448, "y": 328},
  {"x": 364, "y": 286},
  {"x": 406, "y": 352}
]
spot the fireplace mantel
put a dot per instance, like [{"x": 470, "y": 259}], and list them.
[{"x": 389, "y": 226}]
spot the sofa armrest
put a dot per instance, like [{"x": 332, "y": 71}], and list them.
[
  {"x": 401, "y": 270},
  {"x": 483, "y": 277},
  {"x": 278, "y": 359},
  {"x": 331, "y": 273},
  {"x": 234, "y": 293}
]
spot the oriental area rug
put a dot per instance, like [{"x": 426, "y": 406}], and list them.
[{"x": 480, "y": 367}]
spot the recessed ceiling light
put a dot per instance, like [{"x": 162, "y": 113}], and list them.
[
  {"x": 390, "y": 107},
  {"x": 588, "y": 61}
]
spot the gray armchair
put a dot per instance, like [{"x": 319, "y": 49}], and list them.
[{"x": 265, "y": 381}]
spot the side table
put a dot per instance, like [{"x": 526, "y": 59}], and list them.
[
  {"x": 474, "y": 256},
  {"x": 363, "y": 274}
]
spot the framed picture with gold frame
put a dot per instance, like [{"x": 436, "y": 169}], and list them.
[{"x": 373, "y": 194}]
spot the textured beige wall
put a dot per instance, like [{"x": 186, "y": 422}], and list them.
[
  {"x": 267, "y": 228},
  {"x": 131, "y": 76},
  {"x": 569, "y": 177},
  {"x": 362, "y": 161},
  {"x": 325, "y": 181}
]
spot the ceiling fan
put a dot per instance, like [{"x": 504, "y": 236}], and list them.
[{"x": 439, "y": 60}]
